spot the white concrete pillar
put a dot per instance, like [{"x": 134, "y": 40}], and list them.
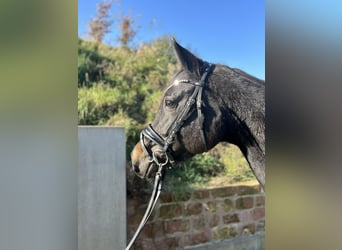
[{"x": 102, "y": 188}]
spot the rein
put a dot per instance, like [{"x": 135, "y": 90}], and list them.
[
  {"x": 152, "y": 203},
  {"x": 152, "y": 135}
]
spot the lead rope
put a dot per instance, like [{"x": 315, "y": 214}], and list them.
[{"x": 152, "y": 203}]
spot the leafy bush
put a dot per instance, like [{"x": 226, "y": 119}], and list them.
[
  {"x": 236, "y": 166},
  {"x": 92, "y": 64},
  {"x": 138, "y": 75},
  {"x": 97, "y": 104},
  {"x": 132, "y": 129},
  {"x": 199, "y": 169}
]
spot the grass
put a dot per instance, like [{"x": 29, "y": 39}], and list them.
[{"x": 223, "y": 165}]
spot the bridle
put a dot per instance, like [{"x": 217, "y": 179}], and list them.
[{"x": 167, "y": 142}]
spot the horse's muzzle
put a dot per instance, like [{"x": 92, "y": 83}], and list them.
[{"x": 141, "y": 163}]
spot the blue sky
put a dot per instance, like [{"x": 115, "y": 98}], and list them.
[{"x": 230, "y": 32}]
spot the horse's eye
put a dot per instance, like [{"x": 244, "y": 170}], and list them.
[{"x": 170, "y": 104}]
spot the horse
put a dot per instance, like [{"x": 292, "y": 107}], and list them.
[{"x": 204, "y": 104}]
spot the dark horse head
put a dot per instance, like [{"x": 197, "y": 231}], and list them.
[{"x": 204, "y": 104}]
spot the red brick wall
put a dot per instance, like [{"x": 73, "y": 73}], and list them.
[{"x": 197, "y": 217}]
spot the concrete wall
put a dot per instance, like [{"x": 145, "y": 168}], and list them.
[
  {"x": 102, "y": 188},
  {"x": 245, "y": 242}
]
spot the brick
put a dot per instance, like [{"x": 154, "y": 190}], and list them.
[
  {"x": 197, "y": 238},
  {"x": 260, "y": 201},
  {"x": 201, "y": 194},
  {"x": 137, "y": 244},
  {"x": 211, "y": 206},
  {"x": 248, "y": 229},
  {"x": 165, "y": 197},
  {"x": 147, "y": 231},
  {"x": 198, "y": 223},
  {"x": 223, "y": 192},
  {"x": 230, "y": 218},
  {"x": 167, "y": 243},
  {"x": 258, "y": 213},
  {"x": 224, "y": 233},
  {"x": 260, "y": 225},
  {"x": 178, "y": 225},
  {"x": 144, "y": 244},
  {"x": 227, "y": 205},
  {"x": 214, "y": 220},
  {"x": 244, "y": 203},
  {"x": 244, "y": 190},
  {"x": 153, "y": 215},
  {"x": 169, "y": 211},
  {"x": 131, "y": 205},
  {"x": 193, "y": 208},
  {"x": 130, "y": 231},
  {"x": 245, "y": 216},
  {"x": 153, "y": 230},
  {"x": 137, "y": 216},
  {"x": 181, "y": 196}
]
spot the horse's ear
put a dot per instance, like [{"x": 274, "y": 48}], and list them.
[{"x": 187, "y": 60}]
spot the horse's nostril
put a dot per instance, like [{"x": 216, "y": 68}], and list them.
[{"x": 136, "y": 168}]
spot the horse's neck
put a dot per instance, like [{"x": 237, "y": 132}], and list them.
[
  {"x": 243, "y": 98},
  {"x": 256, "y": 161}
]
